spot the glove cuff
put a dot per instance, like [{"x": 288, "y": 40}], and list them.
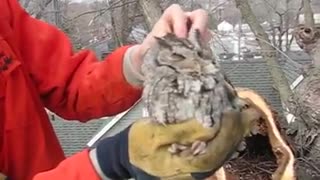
[
  {"x": 133, "y": 75},
  {"x": 96, "y": 165}
]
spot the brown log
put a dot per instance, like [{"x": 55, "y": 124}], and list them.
[{"x": 266, "y": 126}]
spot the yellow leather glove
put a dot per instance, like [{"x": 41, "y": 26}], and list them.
[{"x": 148, "y": 145}]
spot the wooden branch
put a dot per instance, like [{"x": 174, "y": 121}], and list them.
[
  {"x": 103, "y": 10},
  {"x": 151, "y": 10},
  {"x": 42, "y": 8},
  {"x": 308, "y": 13}
]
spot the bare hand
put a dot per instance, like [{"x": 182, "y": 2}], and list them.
[{"x": 174, "y": 20}]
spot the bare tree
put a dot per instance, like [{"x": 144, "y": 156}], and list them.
[
  {"x": 40, "y": 12},
  {"x": 123, "y": 19},
  {"x": 304, "y": 103},
  {"x": 25, "y": 3},
  {"x": 268, "y": 52},
  {"x": 308, "y": 13},
  {"x": 281, "y": 16},
  {"x": 152, "y": 11}
]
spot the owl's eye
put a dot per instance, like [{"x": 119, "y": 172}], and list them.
[
  {"x": 200, "y": 54},
  {"x": 177, "y": 57}
]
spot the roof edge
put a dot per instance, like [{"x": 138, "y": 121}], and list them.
[{"x": 109, "y": 125}]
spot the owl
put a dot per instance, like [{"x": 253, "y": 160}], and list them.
[{"x": 183, "y": 81}]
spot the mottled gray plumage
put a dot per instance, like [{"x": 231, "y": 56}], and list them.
[{"x": 183, "y": 81}]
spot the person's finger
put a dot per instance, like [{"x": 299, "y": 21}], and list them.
[
  {"x": 175, "y": 17},
  {"x": 161, "y": 28},
  {"x": 199, "y": 20}
]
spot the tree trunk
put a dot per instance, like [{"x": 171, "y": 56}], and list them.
[
  {"x": 151, "y": 10},
  {"x": 287, "y": 25},
  {"x": 306, "y": 104},
  {"x": 306, "y": 128},
  {"x": 57, "y": 13},
  {"x": 308, "y": 13},
  {"x": 274, "y": 34},
  {"x": 121, "y": 21},
  {"x": 268, "y": 52},
  {"x": 280, "y": 32},
  {"x": 213, "y": 22},
  {"x": 43, "y": 6},
  {"x": 114, "y": 32},
  {"x": 26, "y": 3}
]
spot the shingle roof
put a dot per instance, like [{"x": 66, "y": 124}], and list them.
[
  {"x": 292, "y": 71},
  {"x": 255, "y": 75},
  {"x": 74, "y": 135}
]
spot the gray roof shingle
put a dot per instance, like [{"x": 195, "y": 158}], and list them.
[
  {"x": 124, "y": 122},
  {"x": 290, "y": 69},
  {"x": 74, "y": 135},
  {"x": 254, "y": 75}
]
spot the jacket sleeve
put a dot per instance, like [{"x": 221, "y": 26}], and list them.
[
  {"x": 73, "y": 85},
  {"x": 82, "y": 169}
]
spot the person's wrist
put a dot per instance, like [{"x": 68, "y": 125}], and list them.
[
  {"x": 137, "y": 57},
  {"x": 132, "y": 66}
]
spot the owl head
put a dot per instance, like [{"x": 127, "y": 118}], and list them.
[{"x": 184, "y": 55}]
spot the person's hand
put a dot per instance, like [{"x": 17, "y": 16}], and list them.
[
  {"x": 174, "y": 20},
  {"x": 138, "y": 151},
  {"x": 141, "y": 150}
]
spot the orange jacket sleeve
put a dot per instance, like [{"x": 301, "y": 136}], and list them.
[
  {"x": 73, "y": 85},
  {"x": 82, "y": 169}
]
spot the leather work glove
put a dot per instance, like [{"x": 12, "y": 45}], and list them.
[{"x": 141, "y": 150}]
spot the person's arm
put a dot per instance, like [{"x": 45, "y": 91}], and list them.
[
  {"x": 73, "y": 85},
  {"x": 77, "y": 167}
]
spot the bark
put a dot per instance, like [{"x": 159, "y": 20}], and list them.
[
  {"x": 268, "y": 52},
  {"x": 43, "y": 6},
  {"x": 296, "y": 23},
  {"x": 287, "y": 25},
  {"x": 152, "y": 11},
  {"x": 57, "y": 14},
  {"x": 26, "y": 3},
  {"x": 308, "y": 13},
  {"x": 114, "y": 32},
  {"x": 305, "y": 130},
  {"x": 274, "y": 34},
  {"x": 306, "y": 104},
  {"x": 281, "y": 31},
  {"x": 122, "y": 22}
]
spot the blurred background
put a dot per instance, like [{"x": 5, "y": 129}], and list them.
[{"x": 103, "y": 25}]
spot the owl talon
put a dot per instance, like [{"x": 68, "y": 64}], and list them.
[
  {"x": 241, "y": 147},
  {"x": 176, "y": 148},
  {"x": 198, "y": 148},
  {"x": 234, "y": 155}
]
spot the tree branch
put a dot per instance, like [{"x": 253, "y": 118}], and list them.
[{"x": 103, "y": 10}]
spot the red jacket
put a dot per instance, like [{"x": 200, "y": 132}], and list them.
[{"x": 39, "y": 69}]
